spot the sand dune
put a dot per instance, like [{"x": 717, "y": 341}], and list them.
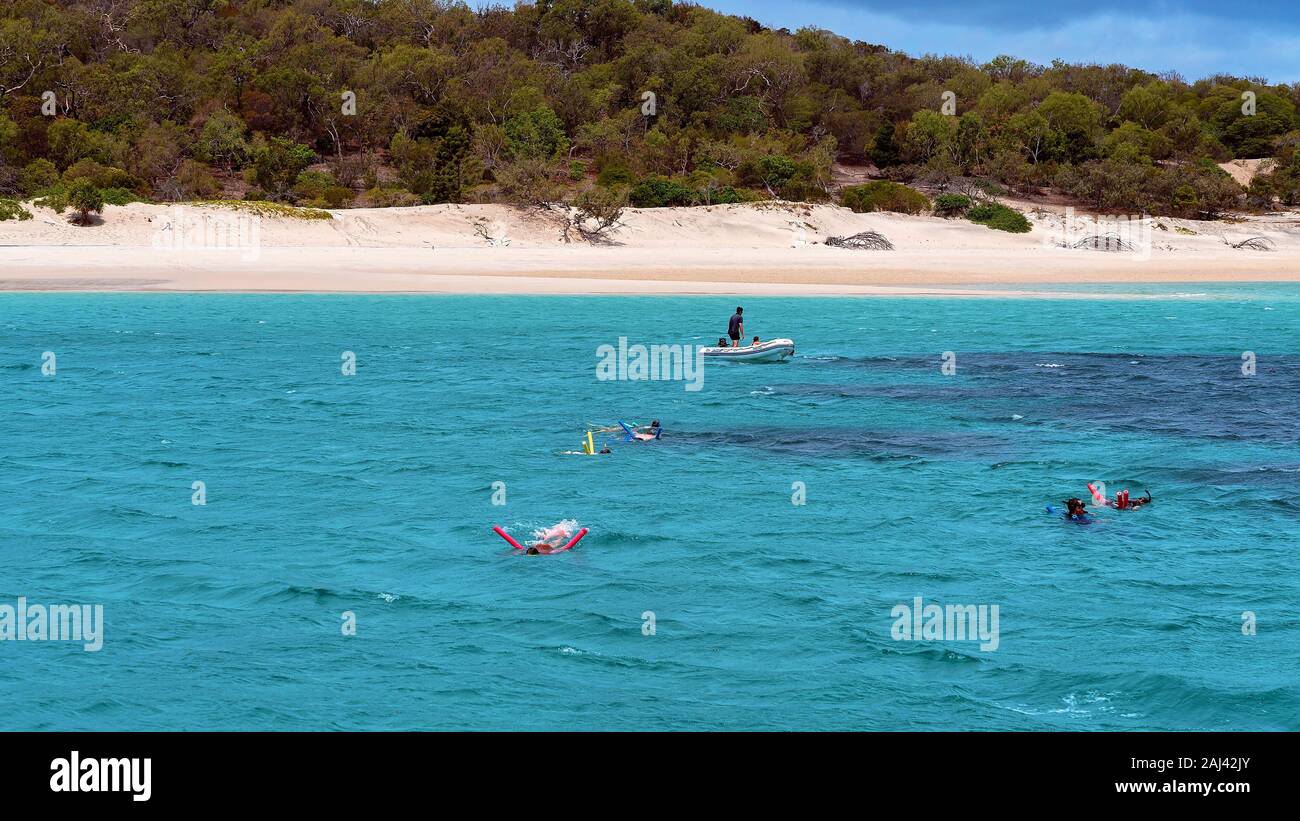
[{"x": 761, "y": 248}]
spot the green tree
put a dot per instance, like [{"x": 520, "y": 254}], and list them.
[
  {"x": 221, "y": 140},
  {"x": 1149, "y": 144},
  {"x": 1076, "y": 118},
  {"x": 277, "y": 162},
  {"x": 931, "y": 134},
  {"x": 37, "y": 175},
  {"x": 157, "y": 152},
  {"x": 437, "y": 160},
  {"x": 529, "y": 182},
  {"x": 1147, "y": 105},
  {"x": 69, "y": 141},
  {"x": 84, "y": 198},
  {"x": 1034, "y": 134},
  {"x": 773, "y": 172},
  {"x": 536, "y": 134},
  {"x": 884, "y": 151},
  {"x": 10, "y": 151}
]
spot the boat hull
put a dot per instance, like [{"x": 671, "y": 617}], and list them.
[{"x": 775, "y": 350}]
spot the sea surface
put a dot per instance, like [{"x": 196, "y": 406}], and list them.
[{"x": 705, "y": 596}]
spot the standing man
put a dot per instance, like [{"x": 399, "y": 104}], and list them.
[{"x": 736, "y": 327}]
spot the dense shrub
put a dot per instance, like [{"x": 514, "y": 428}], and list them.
[
  {"x": 59, "y": 196},
  {"x": 659, "y": 192},
  {"x": 1279, "y": 182},
  {"x": 530, "y": 182},
  {"x": 797, "y": 179},
  {"x": 727, "y": 195},
  {"x": 120, "y": 196},
  {"x": 1188, "y": 189},
  {"x": 318, "y": 189},
  {"x": 278, "y": 162},
  {"x": 102, "y": 176},
  {"x": 951, "y": 205},
  {"x": 536, "y": 134},
  {"x": 379, "y": 197},
  {"x": 13, "y": 210},
  {"x": 192, "y": 180},
  {"x": 614, "y": 174},
  {"x": 37, "y": 175},
  {"x": 882, "y": 195},
  {"x": 999, "y": 217}
]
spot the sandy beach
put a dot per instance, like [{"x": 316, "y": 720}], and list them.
[{"x": 744, "y": 249}]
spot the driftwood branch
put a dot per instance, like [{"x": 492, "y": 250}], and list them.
[
  {"x": 1253, "y": 244},
  {"x": 865, "y": 241}
]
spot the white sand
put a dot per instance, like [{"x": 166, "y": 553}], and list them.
[
  {"x": 753, "y": 249},
  {"x": 1244, "y": 171}
]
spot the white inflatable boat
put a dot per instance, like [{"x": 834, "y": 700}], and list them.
[{"x": 774, "y": 350}]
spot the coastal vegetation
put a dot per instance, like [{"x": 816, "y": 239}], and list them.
[
  {"x": 11, "y": 209},
  {"x": 883, "y": 195},
  {"x": 998, "y": 216},
  {"x": 951, "y": 205},
  {"x": 594, "y": 104},
  {"x": 268, "y": 209}
]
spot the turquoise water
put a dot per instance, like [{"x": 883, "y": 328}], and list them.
[{"x": 373, "y": 494}]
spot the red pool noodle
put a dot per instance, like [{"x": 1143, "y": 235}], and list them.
[
  {"x": 573, "y": 541},
  {"x": 506, "y": 536}
]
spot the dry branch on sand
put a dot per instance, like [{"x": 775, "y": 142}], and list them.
[
  {"x": 594, "y": 215},
  {"x": 865, "y": 241},
  {"x": 1101, "y": 242},
  {"x": 1253, "y": 244}
]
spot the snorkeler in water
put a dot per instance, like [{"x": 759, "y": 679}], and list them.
[
  {"x": 1075, "y": 509},
  {"x": 648, "y": 434},
  {"x": 554, "y": 539},
  {"x": 636, "y": 433}
]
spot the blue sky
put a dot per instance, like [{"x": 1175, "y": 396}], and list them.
[{"x": 1196, "y": 38}]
